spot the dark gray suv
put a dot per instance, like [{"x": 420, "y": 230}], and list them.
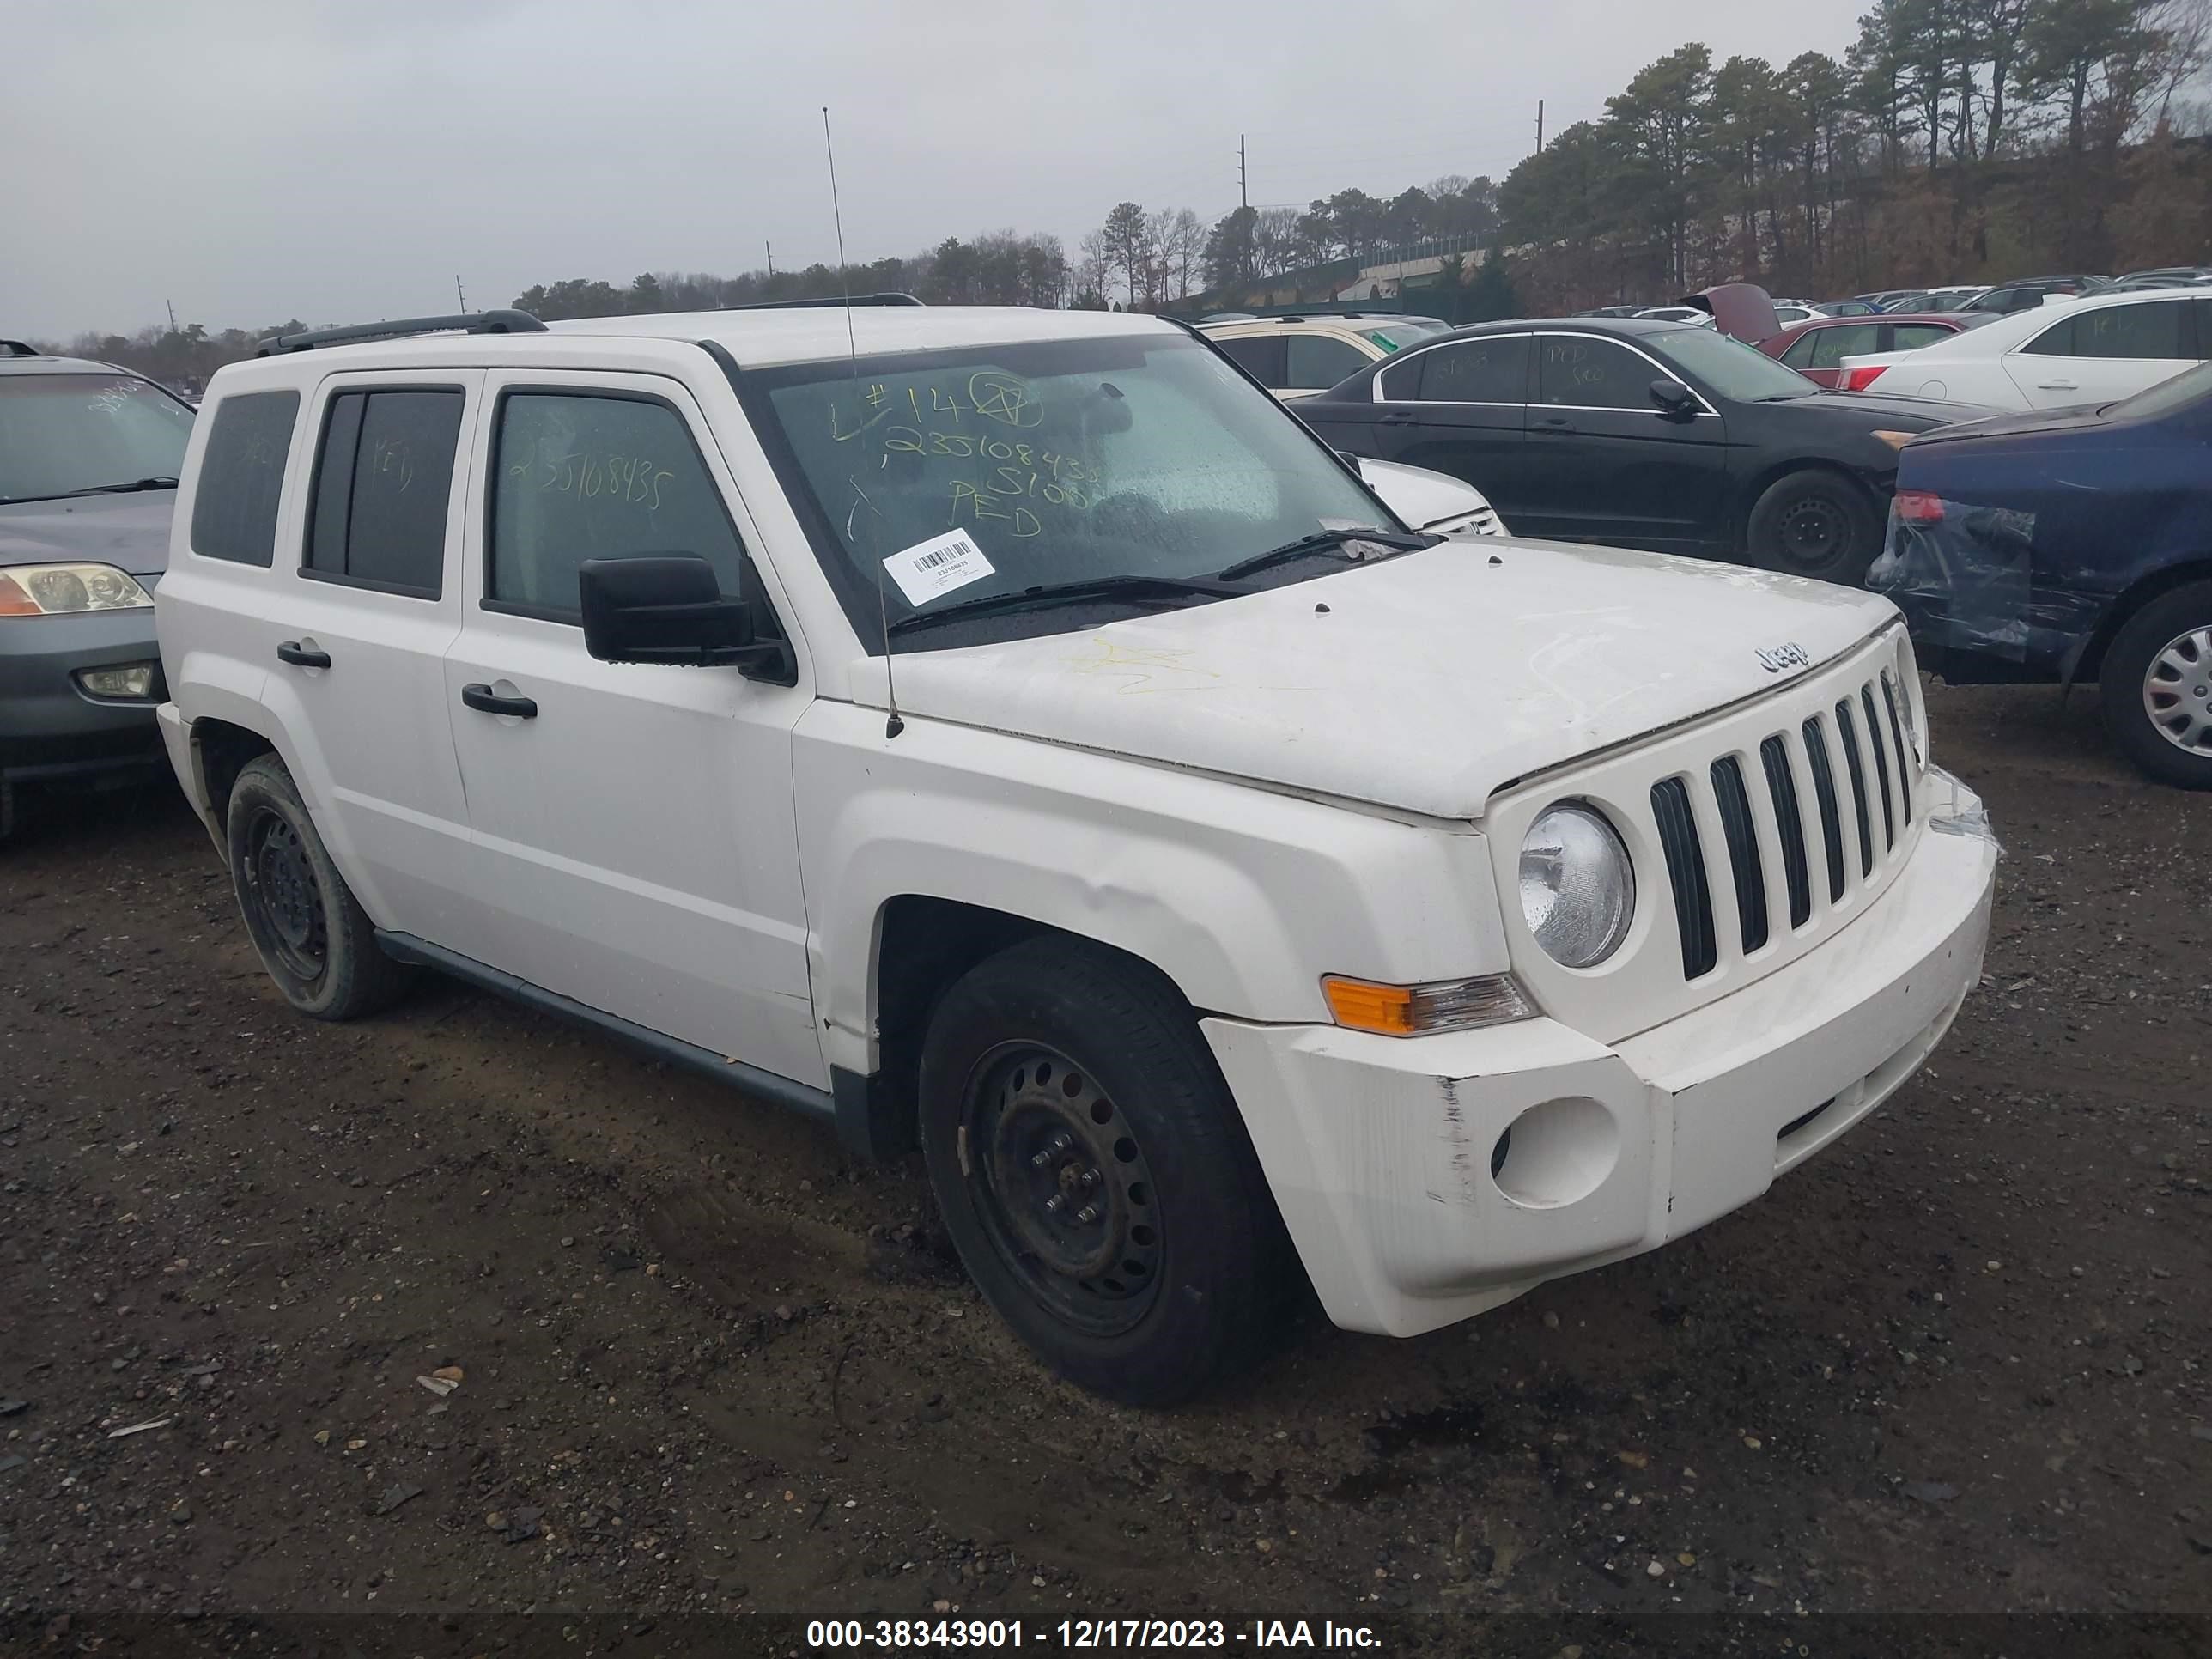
[{"x": 89, "y": 455}]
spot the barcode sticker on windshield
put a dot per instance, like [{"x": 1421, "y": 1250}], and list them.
[{"x": 938, "y": 566}]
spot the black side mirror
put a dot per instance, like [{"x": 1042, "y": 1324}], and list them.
[
  {"x": 1675, "y": 399},
  {"x": 670, "y": 608}
]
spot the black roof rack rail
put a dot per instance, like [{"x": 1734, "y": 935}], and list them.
[
  {"x": 837, "y": 301},
  {"x": 476, "y": 322},
  {"x": 19, "y": 348}
]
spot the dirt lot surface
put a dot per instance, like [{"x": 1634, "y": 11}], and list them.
[{"x": 1956, "y": 1367}]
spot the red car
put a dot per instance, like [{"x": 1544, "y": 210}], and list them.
[{"x": 1817, "y": 347}]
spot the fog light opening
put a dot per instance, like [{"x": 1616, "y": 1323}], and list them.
[
  {"x": 1557, "y": 1152},
  {"x": 135, "y": 682}
]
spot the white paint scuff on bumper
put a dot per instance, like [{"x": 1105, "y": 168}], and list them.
[{"x": 1379, "y": 1149}]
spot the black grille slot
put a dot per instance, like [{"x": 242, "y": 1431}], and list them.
[
  {"x": 1686, "y": 870},
  {"x": 1904, "y": 754},
  {"x": 1735, "y": 803},
  {"x": 1824, "y": 789},
  {"x": 1847, "y": 734},
  {"x": 1881, "y": 766},
  {"x": 1782, "y": 790}
]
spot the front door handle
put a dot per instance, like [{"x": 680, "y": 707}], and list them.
[
  {"x": 484, "y": 697},
  {"x": 2057, "y": 386},
  {"x": 290, "y": 652},
  {"x": 1398, "y": 418},
  {"x": 1553, "y": 424}
]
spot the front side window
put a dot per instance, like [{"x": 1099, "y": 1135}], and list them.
[
  {"x": 2159, "y": 330},
  {"x": 1066, "y": 461},
  {"x": 1579, "y": 371},
  {"x": 70, "y": 434},
  {"x": 1494, "y": 370},
  {"x": 241, "y": 477},
  {"x": 1831, "y": 345},
  {"x": 581, "y": 477},
  {"x": 383, "y": 477},
  {"x": 1318, "y": 360}
]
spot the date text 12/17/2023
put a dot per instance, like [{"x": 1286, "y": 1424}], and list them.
[{"x": 1005, "y": 1635}]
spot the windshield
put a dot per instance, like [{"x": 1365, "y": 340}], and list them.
[
  {"x": 2167, "y": 395},
  {"x": 1066, "y": 461},
  {"x": 1728, "y": 367},
  {"x": 61, "y": 432}
]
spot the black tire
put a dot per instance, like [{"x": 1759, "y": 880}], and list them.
[
  {"x": 1814, "y": 523},
  {"x": 312, "y": 933},
  {"x": 1059, "y": 1048},
  {"x": 2162, "y": 656}
]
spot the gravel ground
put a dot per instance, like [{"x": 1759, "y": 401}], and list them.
[{"x": 688, "y": 1367}]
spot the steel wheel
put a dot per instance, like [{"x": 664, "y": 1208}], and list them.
[
  {"x": 1815, "y": 535},
  {"x": 2177, "y": 692},
  {"x": 1062, "y": 1187},
  {"x": 284, "y": 901}
]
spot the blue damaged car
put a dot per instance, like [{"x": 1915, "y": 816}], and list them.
[{"x": 2071, "y": 545}]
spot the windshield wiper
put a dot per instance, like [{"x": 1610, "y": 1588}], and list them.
[
  {"x": 125, "y": 489},
  {"x": 1322, "y": 541},
  {"x": 1101, "y": 587}
]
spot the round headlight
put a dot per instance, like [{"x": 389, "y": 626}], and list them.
[{"x": 1577, "y": 887}]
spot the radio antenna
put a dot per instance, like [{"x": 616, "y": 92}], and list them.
[{"x": 894, "y": 725}]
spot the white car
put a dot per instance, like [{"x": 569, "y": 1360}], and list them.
[
  {"x": 1294, "y": 357},
  {"x": 2061, "y": 353},
  {"x": 1678, "y": 315},
  {"x": 1009, "y": 731},
  {"x": 1430, "y": 501}
]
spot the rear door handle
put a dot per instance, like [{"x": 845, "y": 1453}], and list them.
[
  {"x": 1399, "y": 418},
  {"x": 2058, "y": 385},
  {"x": 1553, "y": 424},
  {"x": 290, "y": 652},
  {"x": 484, "y": 697}
]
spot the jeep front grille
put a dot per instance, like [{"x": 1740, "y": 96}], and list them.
[{"x": 1762, "y": 809}]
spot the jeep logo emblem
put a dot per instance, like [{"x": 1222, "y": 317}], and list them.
[{"x": 1790, "y": 654}]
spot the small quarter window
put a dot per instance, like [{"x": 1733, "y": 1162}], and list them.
[
  {"x": 1260, "y": 356},
  {"x": 383, "y": 477},
  {"x": 578, "y": 477},
  {"x": 241, "y": 476}
]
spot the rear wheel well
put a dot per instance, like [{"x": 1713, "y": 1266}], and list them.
[
  {"x": 224, "y": 749},
  {"x": 923, "y": 946},
  {"x": 2092, "y": 663}
]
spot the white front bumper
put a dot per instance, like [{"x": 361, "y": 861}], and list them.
[{"x": 1378, "y": 1149}]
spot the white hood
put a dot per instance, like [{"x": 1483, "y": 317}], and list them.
[{"x": 1429, "y": 680}]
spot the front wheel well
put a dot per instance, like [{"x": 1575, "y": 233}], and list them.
[
  {"x": 2148, "y": 589},
  {"x": 923, "y": 946},
  {"x": 1767, "y": 479}
]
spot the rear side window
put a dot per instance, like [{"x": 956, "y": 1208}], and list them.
[
  {"x": 1488, "y": 371},
  {"x": 1911, "y": 336},
  {"x": 1317, "y": 359},
  {"x": 578, "y": 477},
  {"x": 383, "y": 477},
  {"x": 241, "y": 476},
  {"x": 1260, "y": 356},
  {"x": 1831, "y": 345}
]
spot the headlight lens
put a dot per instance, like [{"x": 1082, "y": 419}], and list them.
[
  {"x": 1577, "y": 886},
  {"x": 50, "y": 590}
]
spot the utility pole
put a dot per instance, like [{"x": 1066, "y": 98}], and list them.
[
  {"x": 172, "y": 305},
  {"x": 458, "y": 295},
  {"x": 770, "y": 246},
  {"x": 1243, "y": 184},
  {"x": 1539, "y": 126}
]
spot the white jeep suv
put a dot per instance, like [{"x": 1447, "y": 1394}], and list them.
[{"x": 1011, "y": 733}]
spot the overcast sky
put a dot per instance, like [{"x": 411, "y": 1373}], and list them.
[{"x": 256, "y": 160}]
